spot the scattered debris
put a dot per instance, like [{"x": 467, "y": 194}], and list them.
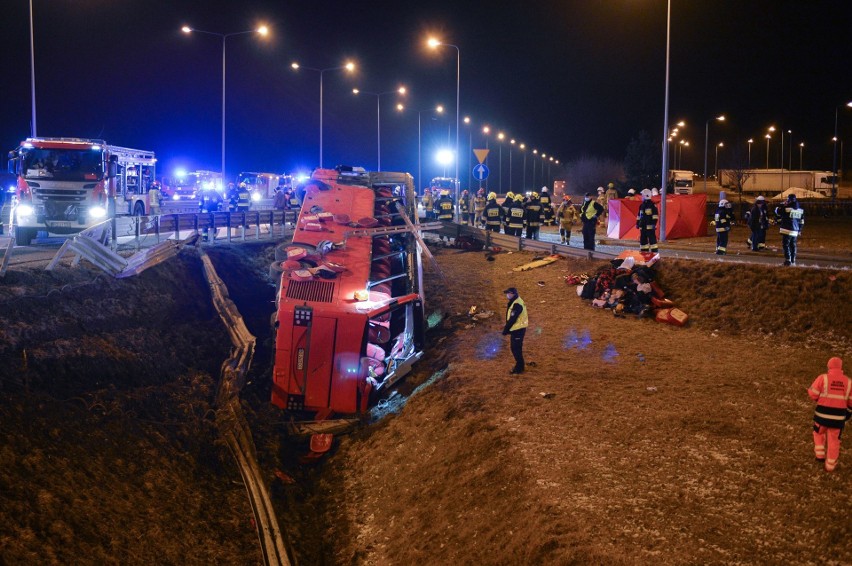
[
  {"x": 537, "y": 262},
  {"x": 651, "y": 389},
  {"x": 284, "y": 477},
  {"x": 547, "y": 395}
]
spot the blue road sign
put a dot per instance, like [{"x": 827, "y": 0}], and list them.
[{"x": 480, "y": 172}]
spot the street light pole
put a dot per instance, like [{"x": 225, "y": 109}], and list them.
[
  {"x": 801, "y": 149},
  {"x": 500, "y": 137},
  {"x": 750, "y": 141},
  {"x": 262, "y": 30},
  {"x": 434, "y": 43},
  {"x": 720, "y": 118},
  {"x": 768, "y": 137},
  {"x": 348, "y": 66},
  {"x": 511, "y": 143},
  {"x": 378, "y": 95},
  {"x": 834, "y": 163},
  {"x": 535, "y": 152},
  {"x": 32, "y": 72},
  {"x": 664, "y": 174},
  {"x": 439, "y": 109},
  {"x": 716, "y": 160},
  {"x": 524, "y": 170}
]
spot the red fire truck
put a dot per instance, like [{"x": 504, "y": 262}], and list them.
[
  {"x": 65, "y": 185},
  {"x": 349, "y": 308}
]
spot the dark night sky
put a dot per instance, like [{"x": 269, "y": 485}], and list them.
[{"x": 569, "y": 78}]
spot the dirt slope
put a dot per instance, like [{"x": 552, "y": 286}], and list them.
[{"x": 678, "y": 445}]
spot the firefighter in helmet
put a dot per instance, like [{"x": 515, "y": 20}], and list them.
[
  {"x": 243, "y": 198},
  {"x": 647, "y": 223},
  {"x": 492, "y": 213},
  {"x": 532, "y": 215},
  {"x": 507, "y": 203},
  {"x": 515, "y": 217},
  {"x": 546, "y": 207},
  {"x": 464, "y": 207},
  {"x": 427, "y": 203},
  {"x": 155, "y": 198},
  {"x": 479, "y": 207},
  {"x": 445, "y": 206}
]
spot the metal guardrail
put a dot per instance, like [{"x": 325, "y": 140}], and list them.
[
  {"x": 490, "y": 239},
  {"x": 231, "y": 421}
]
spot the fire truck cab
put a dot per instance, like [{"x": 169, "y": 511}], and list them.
[
  {"x": 349, "y": 313},
  {"x": 260, "y": 185},
  {"x": 65, "y": 185}
]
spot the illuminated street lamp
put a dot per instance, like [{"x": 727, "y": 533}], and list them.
[
  {"x": 444, "y": 157},
  {"x": 750, "y": 141},
  {"x": 349, "y": 67},
  {"x": 801, "y": 150},
  {"x": 523, "y": 147},
  {"x": 834, "y": 163},
  {"x": 439, "y": 110},
  {"x": 262, "y": 30},
  {"x": 379, "y": 95},
  {"x": 790, "y": 151},
  {"x": 706, "y": 139},
  {"x": 535, "y": 152},
  {"x": 469, "y": 148},
  {"x": 434, "y": 43}
]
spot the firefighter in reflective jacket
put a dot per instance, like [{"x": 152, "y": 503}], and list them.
[
  {"x": 507, "y": 204},
  {"x": 293, "y": 201},
  {"x": 478, "y": 207},
  {"x": 516, "y": 327},
  {"x": 791, "y": 217},
  {"x": 723, "y": 218},
  {"x": 445, "y": 206},
  {"x": 546, "y": 207},
  {"x": 243, "y": 198},
  {"x": 831, "y": 391},
  {"x": 567, "y": 216},
  {"x": 426, "y": 201},
  {"x": 647, "y": 223},
  {"x": 492, "y": 213},
  {"x": 532, "y": 214},
  {"x": 464, "y": 207},
  {"x": 515, "y": 218}
]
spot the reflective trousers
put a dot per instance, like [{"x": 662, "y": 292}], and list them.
[{"x": 827, "y": 445}]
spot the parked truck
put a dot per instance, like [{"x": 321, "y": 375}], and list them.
[
  {"x": 778, "y": 180},
  {"x": 681, "y": 182}
]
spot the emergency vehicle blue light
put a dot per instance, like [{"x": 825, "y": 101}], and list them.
[
  {"x": 489, "y": 346},
  {"x": 302, "y": 178},
  {"x": 610, "y": 353},
  {"x": 575, "y": 341},
  {"x": 180, "y": 172}
]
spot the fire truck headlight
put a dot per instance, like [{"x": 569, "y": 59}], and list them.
[
  {"x": 255, "y": 197},
  {"x": 362, "y": 295},
  {"x": 175, "y": 196},
  {"x": 24, "y": 210},
  {"x": 97, "y": 212}
]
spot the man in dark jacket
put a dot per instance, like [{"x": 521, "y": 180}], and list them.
[
  {"x": 792, "y": 219},
  {"x": 532, "y": 215},
  {"x": 757, "y": 219},
  {"x": 589, "y": 213},
  {"x": 493, "y": 213},
  {"x": 516, "y": 327}
]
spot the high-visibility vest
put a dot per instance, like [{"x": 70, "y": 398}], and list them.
[
  {"x": 523, "y": 321},
  {"x": 831, "y": 391}
]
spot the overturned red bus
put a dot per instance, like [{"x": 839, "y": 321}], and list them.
[{"x": 349, "y": 306}]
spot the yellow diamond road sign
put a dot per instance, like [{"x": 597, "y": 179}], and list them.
[{"x": 481, "y": 154}]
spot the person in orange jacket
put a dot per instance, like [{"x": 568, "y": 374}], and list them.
[{"x": 831, "y": 391}]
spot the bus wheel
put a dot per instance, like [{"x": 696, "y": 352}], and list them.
[
  {"x": 139, "y": 209},
  {"x": 24, "y": 236}
]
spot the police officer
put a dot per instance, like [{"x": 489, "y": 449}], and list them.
[
  {"x": 445, "y": 206},
  {"x": 724, "y": 217},
  {"x": 757, "y": 219},
  {"x": 646, "y": 221},
  {"x": 492, "y": 213},
  {"x": 532, "y": 215},
  {"x": 515, "y": 218},
  {"x": 590, "y": 211},
  {"x": 517, "y": 321},
  {"x": 792, "y": 219}
]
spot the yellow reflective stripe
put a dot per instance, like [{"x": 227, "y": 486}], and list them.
[
  {"x": 833, "y": 396},
  {"x": 831, "y": 417},
  {"x": 814, "y": 390}
]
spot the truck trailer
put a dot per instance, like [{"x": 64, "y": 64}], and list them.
[{"x": 778, "y": 180}]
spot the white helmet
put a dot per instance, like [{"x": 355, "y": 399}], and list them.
[
  {"x": 600, "y": 189},
  {"x": 646, "y": 193},
  {"x": 723, "y": 202},
  {"x": 544, "y": 189},
  {"x": 631, "y": 192}
]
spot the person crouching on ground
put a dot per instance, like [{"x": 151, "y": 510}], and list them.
[
  {"x": 831, "y": 391},
  {"x": 516, "y": 327}
]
